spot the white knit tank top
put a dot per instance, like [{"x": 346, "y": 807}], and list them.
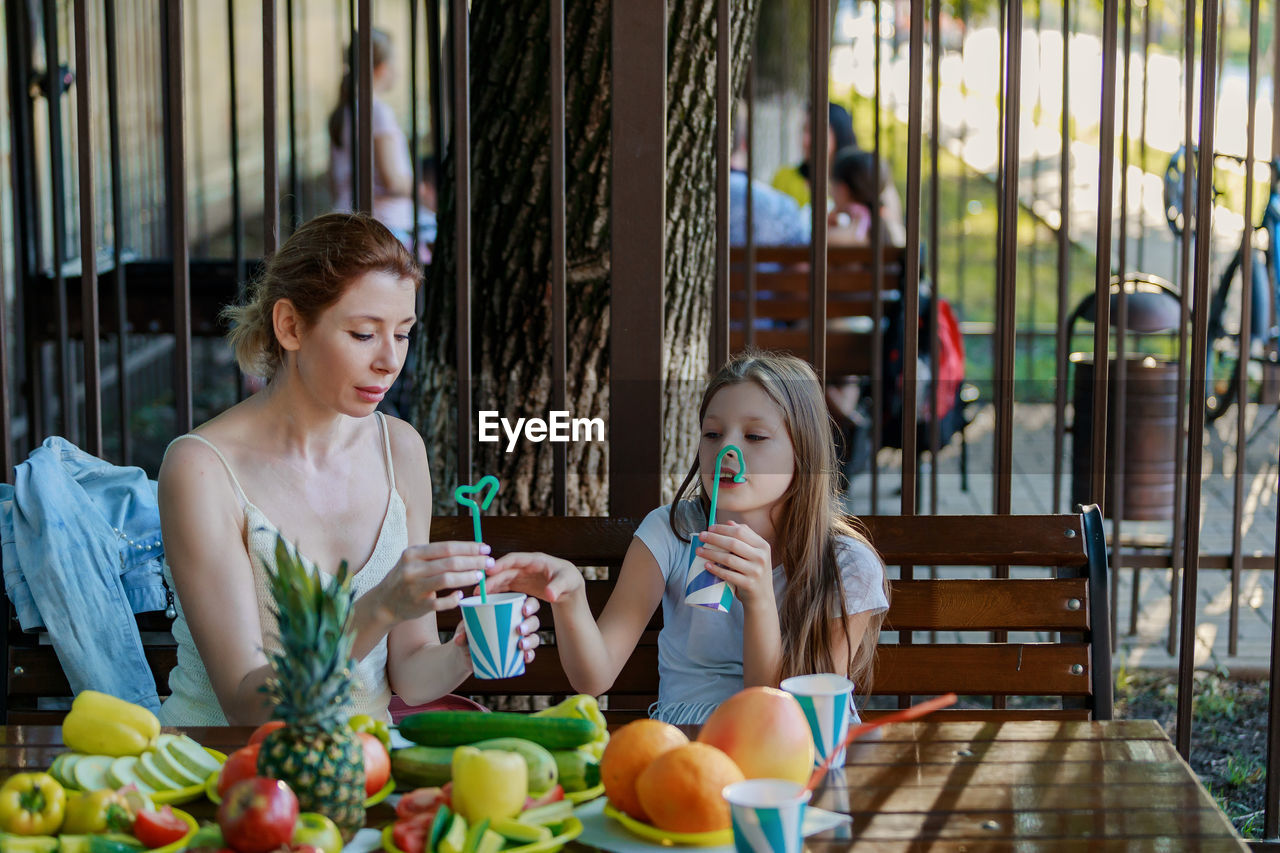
[{"x": 192, "y": 701}]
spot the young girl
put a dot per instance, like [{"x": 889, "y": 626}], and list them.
[
  {"x": 810, "y": 592},
  {"x": 309, "y": 457},
  {"x": 857, "y": 187}
]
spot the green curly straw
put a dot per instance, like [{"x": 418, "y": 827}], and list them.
[
  {"x": 737, "y": 478},
  {"x": 463, "y": 495}
]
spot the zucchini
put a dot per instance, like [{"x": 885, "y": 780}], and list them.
[
  {"x": 577, "y": 771},
  {"x": 454, "y": 728},
  {"x": 422, "y": 766},
  {"x": 542, "y": 766}
]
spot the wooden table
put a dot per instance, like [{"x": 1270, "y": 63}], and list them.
[{"x": 941, "y": 787}]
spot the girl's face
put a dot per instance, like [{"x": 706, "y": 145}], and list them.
[
  {"x": 743, "y": 414},
  {"x": 354, "y": 351},
  {"x": 840, "y": 195}
]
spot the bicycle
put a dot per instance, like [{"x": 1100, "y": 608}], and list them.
[{"x": 1222, "y": 369}]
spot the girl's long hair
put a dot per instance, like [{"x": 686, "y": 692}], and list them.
[
  {"x": 807, "y": 522},
  {"x": 343, "y": 114}
]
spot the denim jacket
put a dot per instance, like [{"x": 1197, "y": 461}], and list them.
[{"x": 81, "y": 551}]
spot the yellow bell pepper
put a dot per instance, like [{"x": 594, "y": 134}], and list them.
[
  {"x": 585, "y": 706},
  {"x": 31, "y": 804},
  {"x": 100, "y": 724},
  {"x": 97, "y": 811},
  {"x": 491, "y": 783}
]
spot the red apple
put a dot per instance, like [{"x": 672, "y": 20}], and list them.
[
  {"x": 258, "y": 815},
  {"x": 377, "y": 763},
  {"x": 241, "y": 764}
]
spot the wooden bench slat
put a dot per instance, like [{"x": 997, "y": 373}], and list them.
[
  {"x": 978, "y": 540},
  {"x": 978, "y": 605},
  {"x": 1016, "y": 669}
]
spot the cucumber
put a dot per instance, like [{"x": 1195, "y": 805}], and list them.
[
  {"x": 556, "y": 812},
  {"x": 422, "y": 766},
  {"x": 454, "y": 728},
  {"x": 443, "y": 821},
  {"x": 576, "y": 770},
  {"x": 542, "y": 766}
]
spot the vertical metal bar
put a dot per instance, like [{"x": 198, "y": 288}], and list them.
[
  {"x": 719, "y": 350},
  {"x": 89, "y": 319},
  {"x": 1121, "y": 379},
  {"x": 237, "y": 201},
  {"x": 819, "y": 175},
  {"x": 460, "y": 39},
  {"x": 295, "y": 183},
  {"x": 1062, "y": 348},
  {"x": 1184, "y": 317},
  {"x": 935, "y": 130},
  {"x": 877, "y": 289},
  {"x": 176, "y": 192},
  {"x": 415, "y": 160},
  {"x": 435, "y": 70},
  {"x": 6, "y": 419},
  {"x": 53, "y": 100},
  {"x": 270, "y": 144},
  {"x": 20, "y": 36},
  {"x": 1271, "y": 800},
  {"x": 119, "y": 294},
  {"x": 364, "y": 103},
  {"x": 1199, "y": 352},
  {"x": 911, "y": 288},
  {"x": 1102, "y": 263},
  {"x": 750, "y": 245},
  {"x": 1246, "y": 327},
  {"x": 1142, "y": 130},
  {"x": 1006, "y": 281},
  {"x": 637, "y": 249},
  {"x": 559, "y": 313}
]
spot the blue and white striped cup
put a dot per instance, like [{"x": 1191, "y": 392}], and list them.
[
  {"x": 768, "y": 815},
  {"x": 493, "y": 634},
  {"x": 827, "y": 701}
]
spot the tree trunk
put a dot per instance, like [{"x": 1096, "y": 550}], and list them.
[{"x": 511, "y": 246}]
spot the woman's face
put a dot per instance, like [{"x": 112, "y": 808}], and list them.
[{"x": 353, "y": 352}]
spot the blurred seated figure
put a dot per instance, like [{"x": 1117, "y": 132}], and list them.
[
  {"x": 857, "y": 187},
  {"x": 776, "y": 219},
  {"x": 794, "y": 180}
]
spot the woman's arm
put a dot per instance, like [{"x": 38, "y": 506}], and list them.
[
  {"x": 202, "y": 523},
  {"x": 390, "y": 162},
  {"x": 592, "y": 653}
]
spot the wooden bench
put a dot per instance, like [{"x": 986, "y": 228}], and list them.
[
  {"x": 1064, "y": 670},
  {"x": 782, "y": 305}
]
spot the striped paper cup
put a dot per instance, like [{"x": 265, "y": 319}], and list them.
[
  {"x": 701, "y": 588},
  {"x": 768, "y": 815},
  {"x": 827, "y": 701},
  {"x": 493, "y": 634}
]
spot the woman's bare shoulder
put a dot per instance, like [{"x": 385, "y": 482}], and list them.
[{"x": 407, "y": 447}]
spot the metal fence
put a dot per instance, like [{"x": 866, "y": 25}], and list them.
[{"x": 169, "y": 221}]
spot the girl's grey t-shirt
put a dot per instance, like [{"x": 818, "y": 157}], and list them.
[{"x": 700, "y": 650}]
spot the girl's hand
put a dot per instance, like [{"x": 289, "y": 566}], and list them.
[
  {"x": 415, "y": 585},
  {"x": 541, "y": 575},
  {"x": 528, "y": 629},
  {"x": 737, "y": 554}
]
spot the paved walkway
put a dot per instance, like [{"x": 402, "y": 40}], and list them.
[{"x": 1032, "y": 492}]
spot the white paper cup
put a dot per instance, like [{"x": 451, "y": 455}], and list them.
[
  {"x": 827, "y": 701},
  {"x": 701, "y": 588},
  {"x": 493, "y": 634},
  {"x": 768, "y": 815}
]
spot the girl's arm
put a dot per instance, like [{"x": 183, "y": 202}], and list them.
[
  {"x": 855, "y": 629},
  {"x": 389, "y": 161},
  {"x": 592, "y": 654},
  {"x": 742, "y": 557},
  {"x": 202, "y": 524}
]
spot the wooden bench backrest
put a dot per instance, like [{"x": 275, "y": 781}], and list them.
[
  {"x": 782, "y": 300},
  {"x": 1072, "y": 665}
]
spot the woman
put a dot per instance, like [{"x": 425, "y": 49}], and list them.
[
  {"x": 857, "y": 187},
  {"x": 327, "y": 326}
]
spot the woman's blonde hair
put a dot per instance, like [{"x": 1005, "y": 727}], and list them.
[
  {"x": 312, "y": 270},
  {"x": 808, "y": 523}
]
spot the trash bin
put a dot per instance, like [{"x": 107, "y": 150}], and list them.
[{"x": 1151, "y": 405}]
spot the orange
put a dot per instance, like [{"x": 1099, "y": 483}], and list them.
[
  {"x": 631, "y": 749},
  {"x": 681, "y": 788}
]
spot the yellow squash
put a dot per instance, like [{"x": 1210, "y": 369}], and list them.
[{"x": 100, "y": 724}]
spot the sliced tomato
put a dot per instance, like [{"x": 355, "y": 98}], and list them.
[
  {"x": 420, "y": 800},
  {"x": 410, "y": 834},
  {"x": 156, "y": 829},
  {"x": 554, "y": 795}
]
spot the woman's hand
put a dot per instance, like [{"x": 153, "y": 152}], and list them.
[
  {"x": 528, "y": 629},
  {"x": 413, "y": 587},
  {"x": 540, "y": 575},
  {"x": 738, "y": 555}
]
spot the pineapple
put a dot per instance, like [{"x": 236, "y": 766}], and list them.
[{"x": 315, "y": 753}]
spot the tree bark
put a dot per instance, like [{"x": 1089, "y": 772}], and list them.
[{"x": 511, "y": 251}]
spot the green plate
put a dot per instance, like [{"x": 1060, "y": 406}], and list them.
[
  {"x": 174, "y": 796},
  {"x": 580, "y": 797},
  {"x": 211, "y": 791},
  {"x": 568, "y": 830},
  {"x": 718, "y": 838}
]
